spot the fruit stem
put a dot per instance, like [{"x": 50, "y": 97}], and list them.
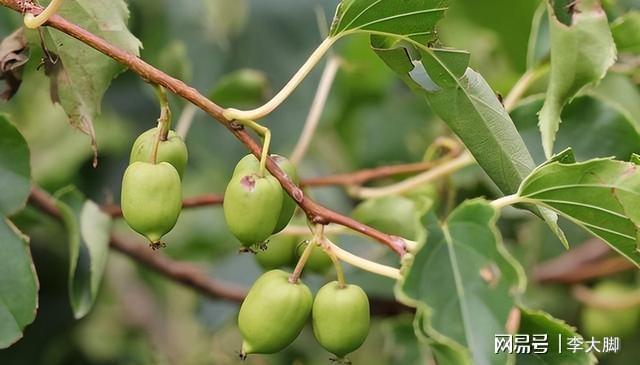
[
  {"x": 266, "y": 134},
  {"x": 362, "y": 263},
  {"x": 164, "y": 121},
  {"x": 282, "y": 95},
  {"x": 32, "y": 22},
  {"x": 522, "y": 85},
  {"x": 336, "y": 263},
  {"x": 317, "y": 107},
  {"x": 301, "y": 262},
  {"x": 297, "y": 271}
]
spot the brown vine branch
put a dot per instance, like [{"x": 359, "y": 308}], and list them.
[
  {"x": 585, "y": 262},
  {"x": 193, "y": 202},
  {"x": 184, "y": 272},
  {"x": 314, "y": 211},
  {"x": 348, "y": 179},
  {"x": 362, "y": 176}
]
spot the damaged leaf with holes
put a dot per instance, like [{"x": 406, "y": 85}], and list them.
[{"x": 14, "y": 53}]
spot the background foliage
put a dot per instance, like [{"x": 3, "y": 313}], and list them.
[{"x": 371, "y": 119}]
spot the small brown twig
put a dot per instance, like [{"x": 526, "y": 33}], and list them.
[
  {"x": 585, "y": 262},
  {"x": 348, "y": 179},
  {"x": 314, "y": 211},
  {"x": 184, "y": 273},
  {"x": 193, "y": 202},
  {"x": 362, "y": 176}
]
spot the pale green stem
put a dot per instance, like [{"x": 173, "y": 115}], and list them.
[
  {"x": 297, "y": 230},
  {"x": 317, "y": 237},
  {"x": 297, "y": 271},
  {"x": 165, "y": 112},
  {"x": 315, "y": 112},
  {"x": 164, "y": 122},
  {"x": 333, "y": 229},
  {"x": 362, "y": 263},
  {"x": 410, "y": 245},
  {"x": 520, "y": 88},
  {"x": 506, "y": 201},
  {"x": 32, "y": 22},
  {"x": 282, "y": 95},
  {"x": 336, "y": 263},
  {"x": 266, "y": 135},
  {"x": 439, "y": 171}
]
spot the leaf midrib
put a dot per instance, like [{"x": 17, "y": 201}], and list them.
[{"x": 458, "y": 281}]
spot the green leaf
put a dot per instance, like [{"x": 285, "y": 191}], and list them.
[
  {"x": 89, "y": 229},
  {"x": 621, "y": 92},
  {"x": 414, "y": 19},
  {"x": 79, "y": 74},
  {"x": 462, "y": 282},
  {"x": 538, "y": 47},
  {"x": 626, "y": 32},
  {"x": 15, "y": 170},
  {"x": 582, "y": 50},
  {"x": 611, "y": 129},
  {"x": 558, "y": 333},
  {"x": 18, "y": 280},
  {"x": 18, "y": 284},
  {"x": 601, "y": 195},
  {"x": 463, "y": 99}
]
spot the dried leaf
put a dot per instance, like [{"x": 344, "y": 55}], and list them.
[{"x": 14, "y": 53}]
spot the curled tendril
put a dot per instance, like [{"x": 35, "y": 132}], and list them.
[{"x": 32, "y": 21}]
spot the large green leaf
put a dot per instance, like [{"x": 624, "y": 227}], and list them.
[
  {"x": 14, "y": 168},
  {"x": 89, "y": 229},
  {"x": 538, "y": 46},
  {"x": 593, "y": 127},
  {"x": 582, "y": 50},
  {"x": 18, "y": 280},
  {"x": 462, "y": 282},
  {"x": 18, "y": 284},
  {"x": 558, "y": 333},
  {"x": 601, "y": 195},
  {"x": 414, "y": 19},
  {"x": 463, "y": 99},
  {"x": 79, "y": 74}
]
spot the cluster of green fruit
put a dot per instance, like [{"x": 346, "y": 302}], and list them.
[
  {"x": 276, "y": 309},
  {"x": 277, "y": 305},
  {"x": 255, "y": 206},
  {"x": 151, "y": 195}
]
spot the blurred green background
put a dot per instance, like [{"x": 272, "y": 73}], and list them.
[{"x": 371, "y": 119}]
